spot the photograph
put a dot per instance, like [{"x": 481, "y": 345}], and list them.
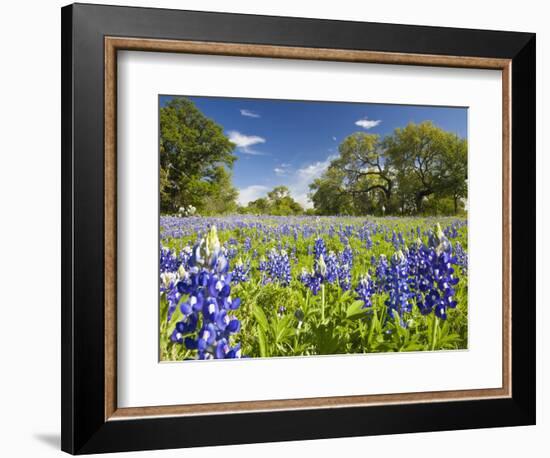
[{"x": 306, "y": 228}]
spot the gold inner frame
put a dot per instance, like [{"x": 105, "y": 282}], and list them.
[{"x": 114, "y": 44}]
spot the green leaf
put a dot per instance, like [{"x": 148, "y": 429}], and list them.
[
  {"x": 262, "y": 341},
  {"x": 356, "y": 310},
  {"x": 261, "y": 318},
  {"x": 283, "y": 329}
]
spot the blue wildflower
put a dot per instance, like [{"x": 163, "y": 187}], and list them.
[
  {"x": 207, "y": 285},
  {"x": 365, "y": 290},
  {"x": 320, "y": 249},
  {"x": 397, "y": 285},
  {"x": 277, "y": 267},
  {"x": 240, "y": 272}
]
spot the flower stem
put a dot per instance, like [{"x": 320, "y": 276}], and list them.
[
  {"x": 323, "y": 302},
  {"x": 434, "y": 336}
]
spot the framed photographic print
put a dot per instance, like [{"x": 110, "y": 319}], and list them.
[{"x": 281, "y": 228}]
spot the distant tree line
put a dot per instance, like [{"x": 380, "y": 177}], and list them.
[
  {"x": 418, "y": 169},
  {"x": 278, "y": 202}
]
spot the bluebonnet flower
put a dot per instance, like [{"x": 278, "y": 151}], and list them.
[
  {"x": 461, "y": 258},
  {"x": 432, "y": 274},
  {"x": 398, "y": 286},
  {"x": 277, "y": 267},
  {"x": 381, "y": 273},
  {"x": 172, "y": 297},
  {"x": 207, "y": 285},
  {"x": 224, "y": 351},
  {"x": 320, "y": 249},
  {"x": 262, "y": 265},
  {"x": 247, "y": 245},
  {"x": 346, "y": 256},
  {"x": 394, "y": 241},
  {"x": 240, "y": 272},
  {"x": 331, "y": 263},
  {"x": 344, "y": 273},
  {"x": 365, "y": 290},
  {"x": 368, "y": 240},
  {"x": 444, "y": 278},
  {"x": 186, "y": 326},
  {"x": 167, "y": 281},
  {"x": 230, "y": 252},
  {"x": 419, "y": 260},
  {"x": 451, "y": 231},
  {"x": 168, "y": 260},
  {"x": 316, "y": 277},
  {"x": 185, "y": 256},
  {"x": 327, "y": 270}
]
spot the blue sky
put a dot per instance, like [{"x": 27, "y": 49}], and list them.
[{"x": 284, "y": 142}]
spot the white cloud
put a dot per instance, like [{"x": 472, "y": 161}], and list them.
[
  {"x": 299, "y": 186},
  {"x": 251, "y": 193},
  {"x": 334, "y": 138},
  {"x": 367, "y": 123},
  {"x": 303, "y": 200},
  {"x": 315, "y": 170},
  {"x": 249, "y": 113},
  {"x": 253, "y": 152},
  {"x": 244, "y": 142},
  {"x": 297, "y": 181},
  {"x": 282, "y": 169}
]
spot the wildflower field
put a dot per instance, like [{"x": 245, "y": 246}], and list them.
[{"x": 266, "y": 286}]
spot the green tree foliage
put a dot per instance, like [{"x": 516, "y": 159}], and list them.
[
  {"x": 429, "y": 162},
  {"x": 277, "y": 202},
  {"x": 418, "y": 169},
  {"x": 195, "y": 161},
  {"x": 358, "y": 181},
  {"x": 329, "y": 193}
]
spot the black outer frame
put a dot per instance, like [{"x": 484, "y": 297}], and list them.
[{"x": 83, "y": 425}]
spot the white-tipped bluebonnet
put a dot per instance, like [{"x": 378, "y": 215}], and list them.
[
  {"x": 277, "y": 267},
  {"x": 461, "y": 257},
  {"x": 330, "y": 266},
  {"x": 365, "y": 290},
  {"x": 381, "y": 273},
  {"x": 320, "y": 248},
  {"x": 397, "y": 285},
  {"x": 240, "y": 272},
  {"x": 207, "y": 285},
  {"x": 346, "y": 256}
]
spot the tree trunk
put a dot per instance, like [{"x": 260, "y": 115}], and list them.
[{"x": 420, "y": 199}]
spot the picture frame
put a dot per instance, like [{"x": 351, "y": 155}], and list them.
[{"x": 92, "y": 35}]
